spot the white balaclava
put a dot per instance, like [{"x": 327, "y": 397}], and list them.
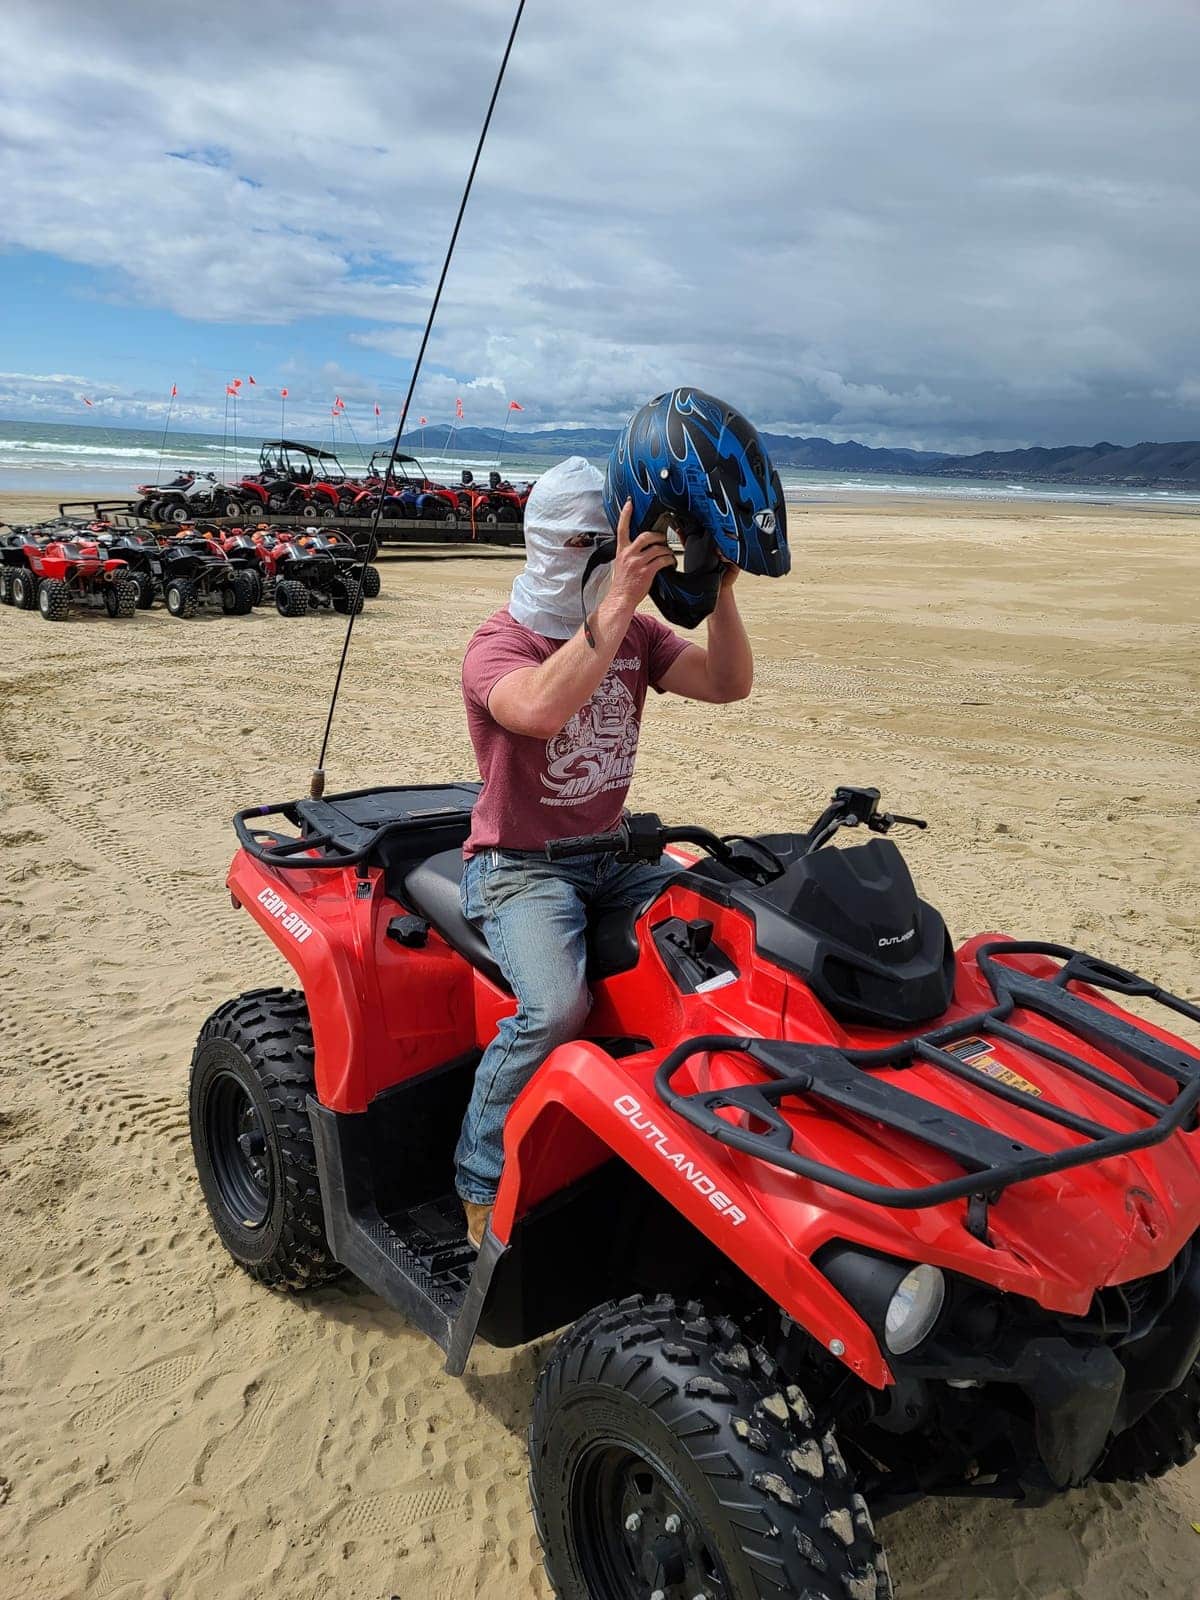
[{"x": 564, "y": 521}]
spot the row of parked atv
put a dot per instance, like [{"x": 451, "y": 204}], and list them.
[
  {"x": 123, "y": 570},
  {"x": 311, "y": 485}
]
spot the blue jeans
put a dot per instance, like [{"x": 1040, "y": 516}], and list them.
[{"x": 533, "y": 914}]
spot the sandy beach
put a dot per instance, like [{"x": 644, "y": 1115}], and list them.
[{"x": 1027, "y": 677}]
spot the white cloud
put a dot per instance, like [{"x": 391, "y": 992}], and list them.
[{"x": 892, "y": 222}]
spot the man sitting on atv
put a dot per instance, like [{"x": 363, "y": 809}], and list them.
[{"x": 554, "y": 685}]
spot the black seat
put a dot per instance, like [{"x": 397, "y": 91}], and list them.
[{"x": 432, "y": 889}]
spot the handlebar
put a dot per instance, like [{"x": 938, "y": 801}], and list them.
[{"x": 641, "y": 836}]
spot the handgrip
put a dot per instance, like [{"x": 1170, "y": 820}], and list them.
[{"x": 584, "y": 844}]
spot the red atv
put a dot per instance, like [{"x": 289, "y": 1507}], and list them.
[
  {"x": 408, "y": 491},
  {"x": 839, "y": 1214},
  {"x": 294, "y": 479},
  {"x": 56, "y": 575}
]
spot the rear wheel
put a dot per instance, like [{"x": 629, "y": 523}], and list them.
[
  {"x": 181, "y": 598},
  {"x": 173, "y": 511},
  {"x": 347, "y": 598},
  {"x": 145, "y": 589},
  {"x": 231, "y": 506},
  {"x": 668, "y": 1454},
  {"x": 24, "y": 591},
  {"x": 121, "y": 597},
  {"x": 237, "y": 597},
  {"x": 54, "y": 599},
  {"x": 5, "y": 587},
  {"x": 371, "y": 582},
  {"x": 252, "y": 1071},
  {"x": 291, "y": 598},
  {"x": 1167, "y": 1436}
]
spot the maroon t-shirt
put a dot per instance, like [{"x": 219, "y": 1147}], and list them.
[{"x": 535, "y": 790}]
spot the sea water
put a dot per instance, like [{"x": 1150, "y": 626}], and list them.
[{"x": 79, "y": 461}]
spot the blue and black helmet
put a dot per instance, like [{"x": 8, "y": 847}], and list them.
[{"x": 694, "y": 460}]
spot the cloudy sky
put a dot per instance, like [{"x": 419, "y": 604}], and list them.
[{"x": 919, "y": 223}]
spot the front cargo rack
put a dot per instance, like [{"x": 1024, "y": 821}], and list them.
[{"x": 843, "y": 1080}]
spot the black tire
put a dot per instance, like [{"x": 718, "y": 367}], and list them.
[
  {"x": 257, "y": 585},
  {"x": 237, "y": 597},
  {"x": 1167, "y": 1437},
  {"x": 252, "y": 1070},
  {"x": 309, "y": 510},
  {"x": 145, "y": 589},
  {"x": 24, "y": 591},
  {"x": 54, "y": 599},
  {"x": 126, "y": 591},
  {"x": 371, "y": 582},
  {"x": 144, "y": 508},
  {"x": 346, "y": 598},
  {"x": 291, "y": 598},
  {"x": 648, "y": 1411},
  {"x": 172, "y": 511},
  {"x": 181, "y": 598},
  {"x": 231, "y": 506},
  {"x": 5, "y": 586}
]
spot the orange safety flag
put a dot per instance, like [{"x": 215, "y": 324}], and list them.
[
  {"x": 513, "y": 406},
  {"x": 237, "y": 383},
  {"x": 458, "y": 411},
  {"x": 338, "y": 403},
  {"x": 283, "y": 394},
  {"x": 174, "y": 391},
  {"x": 85, "y": 400},
  {"x": 229, "y": 389},
  {"x": 424, "y": 420},
  {"x": 378, "y": 413},
  {"x": 251, "y": 380}
]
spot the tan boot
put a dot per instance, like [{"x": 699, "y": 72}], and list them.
[{"x": 478, "y": 1218}]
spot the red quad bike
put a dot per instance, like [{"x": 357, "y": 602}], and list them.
[
  {"x": 58, "y": 575},
  {"x": 839, "y": 1215},
  {"x": 408, "y": 492}
]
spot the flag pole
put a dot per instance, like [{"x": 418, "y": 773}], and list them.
[{"x": 166, "y": 425}]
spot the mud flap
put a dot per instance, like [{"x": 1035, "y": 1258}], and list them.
[
  {"x": 1075, "y": 1395},
  {"x": 462, "y": 1335}
]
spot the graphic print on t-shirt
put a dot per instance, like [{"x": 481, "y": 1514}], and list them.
[{"x": 596, "y": 749}]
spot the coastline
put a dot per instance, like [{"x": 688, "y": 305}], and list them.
[{"x": 18, "y": 505}]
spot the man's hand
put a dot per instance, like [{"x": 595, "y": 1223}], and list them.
[{"x": 638, "y": 561}]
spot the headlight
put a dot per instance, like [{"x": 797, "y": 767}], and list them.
[
  {"x": 914, "y": 1308},
  {"x": 898, "y": 1301}
]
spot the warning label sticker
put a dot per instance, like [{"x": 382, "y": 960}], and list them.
[{"x": 977, "y": 1053}]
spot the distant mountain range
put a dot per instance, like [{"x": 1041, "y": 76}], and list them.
[{"x": 1148, "y": 466}]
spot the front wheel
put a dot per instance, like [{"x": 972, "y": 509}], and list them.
[
  {"x": 1167, "y": 1436},
  {"x": 23, "y": 586},
  {"x": 371, "y": 582},
  {"x": 668, "y": 1453},
  {"x": 145, "y": 589},
  {"x": 252, "y": 1071}
]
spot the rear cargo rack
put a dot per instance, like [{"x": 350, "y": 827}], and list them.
[{"x": 848, "y": 1081}]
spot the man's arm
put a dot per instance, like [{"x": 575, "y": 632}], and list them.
[
  {"x": 539, "y": 701},
  {"x": 724, "y": 670}
]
